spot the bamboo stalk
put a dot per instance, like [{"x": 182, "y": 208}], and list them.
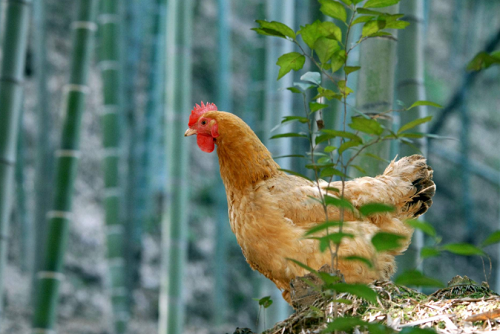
[
  {"x": 224, "y": 103},
  {"x": 375, "y": 93},
  {"x": 50, "y": 276},
  {"x": 410, "y": 88},
  {"x": 44, "y": 161},
  {"x": 15, "y": 29},
  {"x": 110, "y": 19},
  {"x": 175, "y": 224}
]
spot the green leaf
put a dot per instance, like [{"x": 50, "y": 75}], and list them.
[
  {"x": 330, "y": 30},
  {"x": 343, "y": 134},
  {"x": 347, "y": 2},
  {"x": 305, "y": 266},
  {"x": 301, "y": 119},
  {"x": 328, "y": 94},
  {"x": 333, "y": 9},
  {"x": 375, "y": 208},
  {"x": 344, "y": 324},
  {"x": 396, "y": 24},
  {"x": 347, "y": 145},
  {"x": 427, "y": 252},
  {"x": 366, "y": 125},
  {"x": 302, "y": 86},
  {"x": 359, "y": 290},
  {"x": 328, "y": 278},
  {"x": 323, "y": 226},
  {"x": 338, "y": 60},
  {"x": 339, "y": 202},
  {"x": 289, "y": 156},
  {"x": 325, "y": 48},
  {"x": 330, "y": 171},
  {"x": 483, "y": 60},
  {"x": 414, "y": 123},
  {"x": 425, "y": 103},
  {"x": 312, "y": 77},
  {"x": 369, "y": 12},
  {"x": 376, "y": 157},
  {"x": 315, "y": 106},
  {"x": 361, "y": 170},
  {"x": 294, "y": 90},
  {"x": 493, "y": 238},
  {"x": 290, "y": 61},
  {"x": 416, "y": 278},
  {"x": 329, "y": 149},
  {"x": 344, "y": 90},
  {"x": 336, "y": 238},
  {"x": 380, "y": 3},
  {"x": 274, "y": 29},
  {"x": 294, "y": 173},
  {"x": 463, "y": 249},
  {"x": 371, "y": 27},
  {"x": 264, "y": 301},
  {"x": 359, "y": 258},
  {"x": 417, "y": 330},
  {"x": 287, "y": 135},
  {"x": 422, "y": 226},
  {"x": 349, "y": 69},
  {"x": 310, "y": 33},
  {"x": 362, "y": 19},
  {"x": 384, "y": 241}
]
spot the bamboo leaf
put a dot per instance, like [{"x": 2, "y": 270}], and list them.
[
  {"x": 312, "y": 77},
  {"x": 333, "y": 9},
  {"x": 289, "y": 156},
  {"x": 288, "y": 135},
  {"x": 336, "y": 238},
  {"x": 301, "y": 119},
  {"x": 422, "y": 226},
  {"x": 366, "y": 125},
  {"x": 463, "y": 249},
  {"x": 274, "y": 28},
  {"x": 425, "y": 103},
  {"x": 375, "y": 208},
  {"x": 384, "y": 241},
  {"x": 416, "y": 278},
  {"x": 493, "y": 238},
  {"x": 380, "y": 3},
  {"x": 349, "y": 69},
  {"x": 414, "y": 123},
  {"x": 290, "y": 61}
]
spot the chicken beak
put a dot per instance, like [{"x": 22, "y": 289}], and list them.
[{"x": 190, "y": 132}]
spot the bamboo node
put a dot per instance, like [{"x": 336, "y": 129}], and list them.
[
  {"x": 50, "y": 275},
  {"x": 76, "y": 88},
  {"x": 89, "y": 25},
  {"x": 60, "y": 214},
  {"x": 68, "y": 154}
]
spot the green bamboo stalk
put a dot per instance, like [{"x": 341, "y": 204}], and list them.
[
  {"x": 15, "y": 33},
  {"x": 25, "y": 230},
  {"x": 175, "y": 224},
  {"x": 375, "y": 93},
  {"x": 44, "y": 160},
  {"x": 50, "y": 276},
  {"x": 110, "y": 19},
  {"x": 221, "y": 227},
  {"x": 410, "y": 88}
]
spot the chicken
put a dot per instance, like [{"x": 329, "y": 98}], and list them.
[{"x": 270, "y": 211}]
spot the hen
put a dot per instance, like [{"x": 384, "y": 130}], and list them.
[{"x": 270, "y": 211}]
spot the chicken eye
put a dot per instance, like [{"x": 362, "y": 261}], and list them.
[{"x": 203, "y": 122}]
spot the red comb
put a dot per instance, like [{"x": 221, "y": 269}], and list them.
[{"x": 200, "y": 110}]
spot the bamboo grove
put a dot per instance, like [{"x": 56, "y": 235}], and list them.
[{"x": 133, "y": 71}]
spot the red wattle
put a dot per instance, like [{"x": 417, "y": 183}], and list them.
[{"x": 205, "y": 143}]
